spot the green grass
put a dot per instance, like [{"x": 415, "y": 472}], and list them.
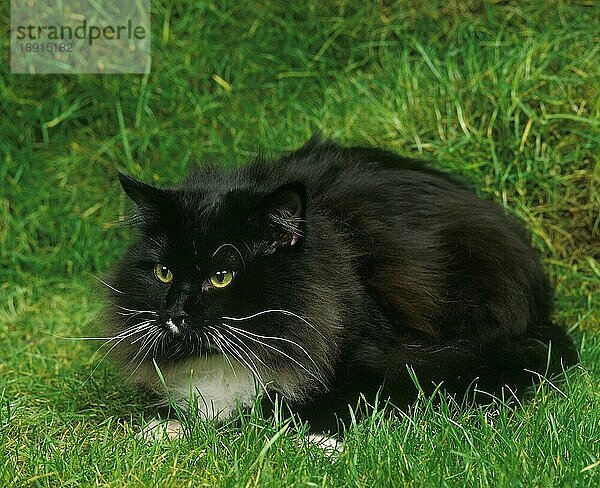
[{"x": 506, "y": 94}]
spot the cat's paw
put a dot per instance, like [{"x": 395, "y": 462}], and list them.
[
  {"x": 160, "y": 430},
  {"x": 330, "y": 445}
]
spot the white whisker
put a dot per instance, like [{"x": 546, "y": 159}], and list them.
[
  {"x": 80, "y": 338},
  {"x": 244, "y": 346},
  {"x": 283, "y": 339},
  {"x": 285, "y": 312},
  {"x": 139, "y": 328},
  {"x": 234, "y": 247},
  {"x": 146, "y": 336},
  {"x": 151, "y": 336},
  {"x": 119, "y": 338},
  {"x": 236, "y": 352},
  {"x": 109, "y": 286},
  {"x": 249, "y": 336},
  {"x": 224, "y": 351},
  {"x": 135, "y": 310}
]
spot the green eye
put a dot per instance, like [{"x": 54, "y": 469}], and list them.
[
  {"x": 221, "y": 279},
  {"x": 162, "y": 273}
]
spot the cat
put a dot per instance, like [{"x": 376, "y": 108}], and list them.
[{"x": 330, "y": 274}]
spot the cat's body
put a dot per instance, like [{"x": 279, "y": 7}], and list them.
[{"x": 336, "y": 270}]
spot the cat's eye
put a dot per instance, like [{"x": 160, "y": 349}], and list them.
[
  {"x": 221, "y": 279},
  {"x": 162, "y": 273}
]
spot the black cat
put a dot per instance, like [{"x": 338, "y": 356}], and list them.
[{"x": 325, "y": 275}]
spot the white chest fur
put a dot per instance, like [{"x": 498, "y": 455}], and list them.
[{"x": 217, "y": 383}]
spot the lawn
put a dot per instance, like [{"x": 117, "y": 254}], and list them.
[{"x": 506, "y": 94}]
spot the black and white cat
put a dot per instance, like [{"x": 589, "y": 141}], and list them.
[{"x": 325, "y": 275}]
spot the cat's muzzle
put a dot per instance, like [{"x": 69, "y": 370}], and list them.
[{"x": 176, "y": 325}]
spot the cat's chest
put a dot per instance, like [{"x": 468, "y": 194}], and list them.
[{"x": 217, "y": 384}]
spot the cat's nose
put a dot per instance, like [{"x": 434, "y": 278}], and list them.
[
  {"x": 176, "y": 323},
  {"x": 179, "y": 319},
  {"x": 176, "y": 320}
]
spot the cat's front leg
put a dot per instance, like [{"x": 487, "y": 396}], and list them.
[
  {"x": 169, "y": 430},
  {"x": 158, "y": 429},
  {"x": 330, "y": 445}
]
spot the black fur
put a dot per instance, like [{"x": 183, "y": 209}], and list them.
[{"x": 388, "y": 262}]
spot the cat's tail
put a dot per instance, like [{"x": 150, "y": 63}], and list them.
[
  {"x": 561, "y": 350},
  {"x": 520, "y": 362},
  {"x": 508, "y": 365}
]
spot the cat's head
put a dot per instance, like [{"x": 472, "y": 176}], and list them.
[{"x": 225, "y": 267}]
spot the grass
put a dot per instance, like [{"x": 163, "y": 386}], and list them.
[{"x": 506, "y": 94}]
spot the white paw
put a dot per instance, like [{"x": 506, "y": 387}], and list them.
[
  {"x": 330, "y": 445},
  {"x": 159, "y": 430}
]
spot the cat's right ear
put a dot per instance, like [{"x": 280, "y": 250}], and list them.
[{"x": 147, "y": 198}]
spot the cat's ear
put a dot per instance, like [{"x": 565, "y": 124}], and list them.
[
  {"x": 284, "y": 210},
  {"x": 147, "y": 198}
]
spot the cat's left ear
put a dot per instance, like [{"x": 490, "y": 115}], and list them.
[{"x": 285, "y": 210}]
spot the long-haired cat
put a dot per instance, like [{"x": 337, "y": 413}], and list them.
[{"x": 327, "y": 274}]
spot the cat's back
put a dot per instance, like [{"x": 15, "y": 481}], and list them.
[{"x": 435, "y": 254}]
